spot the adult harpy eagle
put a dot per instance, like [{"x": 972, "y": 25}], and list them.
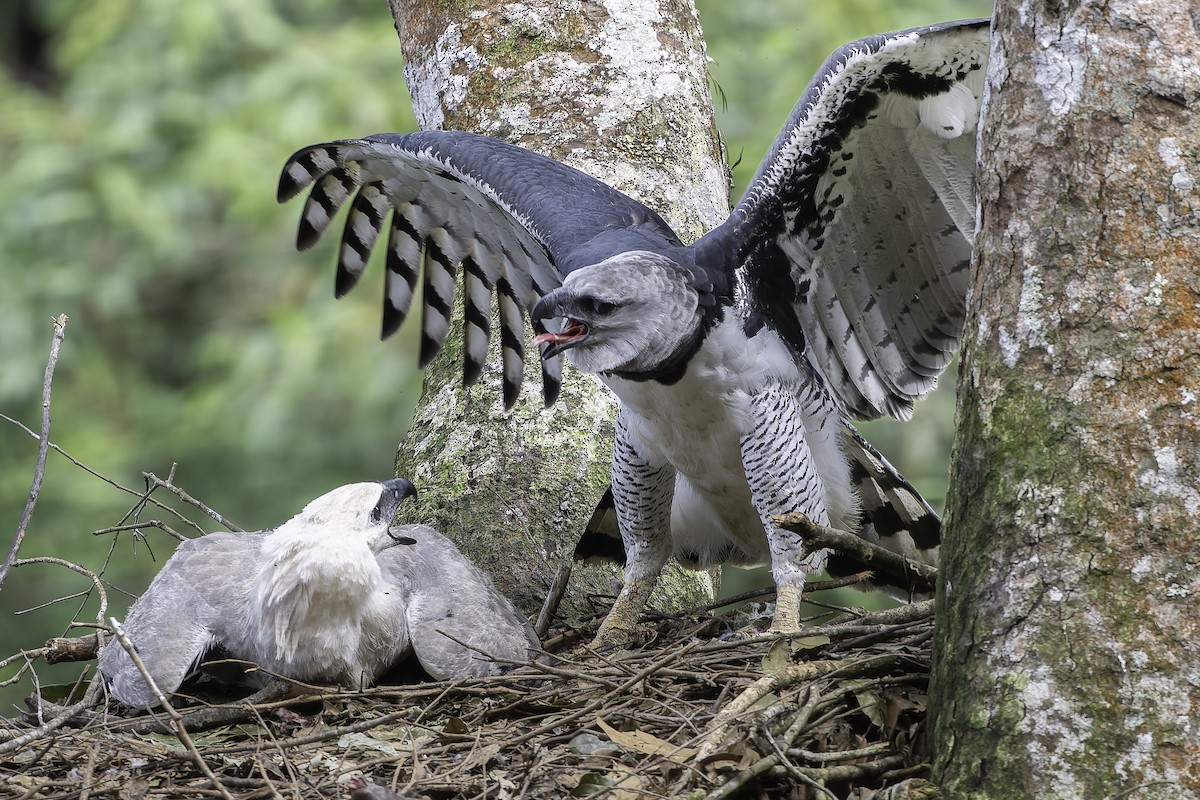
[
  {"x": 334, "y": 594},
  {"x": 834, "y": 291}
]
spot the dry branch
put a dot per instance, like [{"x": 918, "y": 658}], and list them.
[
  {"x": 61, "y": 649},
  {"x": 153, "y": 482},
  {"x": 39, "y": 470},
  {"x": 816, "y": 536}
]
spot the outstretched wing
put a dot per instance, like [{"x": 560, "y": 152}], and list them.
[
  {"x": 458, "y": 622},
  {"x": 517, "y": 222},
  {"x": 855, "y": 236},
  {"x": 182, "y": 614}
]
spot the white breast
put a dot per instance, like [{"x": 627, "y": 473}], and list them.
[
  {"x": 696, "y": 425},
  {"x": 697, "y": 422}
]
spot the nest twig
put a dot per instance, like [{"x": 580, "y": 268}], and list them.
[
  {"x": 835, "y": 712},
  {"x": 838, "y": 712}
]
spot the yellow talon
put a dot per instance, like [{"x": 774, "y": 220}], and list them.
[
  {"x": 620, "y": 628},
  {"x": 787, "y": 608}
]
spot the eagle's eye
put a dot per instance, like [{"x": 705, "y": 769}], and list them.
[
  {"x": 376, "y": 514},
  {"x": 601, "y": 308}
]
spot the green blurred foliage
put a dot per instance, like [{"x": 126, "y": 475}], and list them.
[
  {"x": 140, "y": 169},
  {"x": 141, "y": 142}
]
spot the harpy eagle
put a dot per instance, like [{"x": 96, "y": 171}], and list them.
[
  {"x": 835, "y": 291},
  {"x": 335, "y": 594}
]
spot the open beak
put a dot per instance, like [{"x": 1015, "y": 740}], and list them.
[
  {"x": 573, "y": 332},
  {"x": 395, "y": 492}
]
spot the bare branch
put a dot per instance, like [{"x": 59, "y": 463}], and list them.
[
  {"x": 62, "y": 649},
  {"x": 553, "y": 599},
  {"x": 153, "y": 482},
  {"x": 39, "y": 471},
  {"x": 93, "y": 577},
  {"x": 143, "y": 498},
  {"x": 921, "y": 576}
]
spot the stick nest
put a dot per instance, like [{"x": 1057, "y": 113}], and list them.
[{"x": 699, "y": 713}]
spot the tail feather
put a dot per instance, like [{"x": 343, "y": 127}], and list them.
[
  {"x": 894, "y": 515},
  {"x": 601, "y": 540}
]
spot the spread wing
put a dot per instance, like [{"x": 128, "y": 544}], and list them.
[
  {"x": 457, "y": 620},
  {"x": 855, "y": 236},
  {"x": 198, "y": 594},
  {"x": 517, "y": 222}
]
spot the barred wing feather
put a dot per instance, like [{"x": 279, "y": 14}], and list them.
[
  {"x": 863, "y": 214},
  {"x": 465, "y": 210}
]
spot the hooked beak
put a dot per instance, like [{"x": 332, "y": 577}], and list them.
[
  {"x": 395, "y": 539},
  {"x": 574, "y": 332},
  {"x": 395, "y": 491}
]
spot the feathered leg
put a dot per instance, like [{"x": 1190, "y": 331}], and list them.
[
  {"x": 642, "y": 494},
  {"x": 778, "y": 460}
]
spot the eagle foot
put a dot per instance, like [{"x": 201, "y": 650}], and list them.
[
  {"x": 786, "y": 621},
  {"x": 620, "y": 628},
  {"x": 612, "y": 638}
]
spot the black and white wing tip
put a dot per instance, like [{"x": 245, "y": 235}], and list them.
[
  {"x": 856, "y": 232},
  {"x": 442, "y": 218}
]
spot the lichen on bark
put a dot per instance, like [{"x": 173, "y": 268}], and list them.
[
  {"x": 618, "y": 89},
  {"x": 1068, "y": 647}
]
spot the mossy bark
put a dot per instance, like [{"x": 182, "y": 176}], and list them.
[
  {"x": 619, "y": 89},
  {"x": 1068, "y": 646}
]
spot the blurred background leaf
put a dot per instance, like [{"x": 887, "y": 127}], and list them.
[{"x": 141, "y": 142}]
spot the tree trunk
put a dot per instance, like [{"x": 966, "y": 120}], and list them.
[
  {"x": 619, "y": 89},
  {"x": 1068, "y": 648}
]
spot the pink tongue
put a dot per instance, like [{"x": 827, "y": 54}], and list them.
[
  {"x": 542, "y": 338},
  {"x": 572, "y": 330}
]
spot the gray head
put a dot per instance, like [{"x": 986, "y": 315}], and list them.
[{"x": 629, "y": 313}]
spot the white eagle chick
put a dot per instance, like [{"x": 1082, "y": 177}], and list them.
[{"x": 335, "y": 594}]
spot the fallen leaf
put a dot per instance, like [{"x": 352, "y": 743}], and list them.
[
  {"x": 456, "y": 725},
  {"x": 365, "y": 742},
  {"x": 783, "y": 650},
  {"x": 590, "y": 783},
  {"x": 587, "y": 743},
  {"x": 646, "y": 743},
  {"x": 481, "y": 756},
  {"x": 778, "y": 656}
]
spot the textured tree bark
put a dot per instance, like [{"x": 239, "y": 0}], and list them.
[
  {"x": 1068, "y": 647},
  {"x": 617, "y": 88}
]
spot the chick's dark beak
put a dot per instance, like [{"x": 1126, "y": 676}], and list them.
[
  {"x": 399, "y": 539},
  {"x": 403, "y": 488},
  {"x": 395, "y": 491}
]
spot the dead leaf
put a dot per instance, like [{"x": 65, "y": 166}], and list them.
[
  {"x": 646, "y": 743},
  {"x": 778, "y": 656},
  {"x": 481, "y": 756},
  {"x": 810, "y": 642},
  {"x": 870, "y": 704},
  {"x": 364, "y": 742},
  {"x": 456, "y": 726},
  {"x": 783, "y": 650}
]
